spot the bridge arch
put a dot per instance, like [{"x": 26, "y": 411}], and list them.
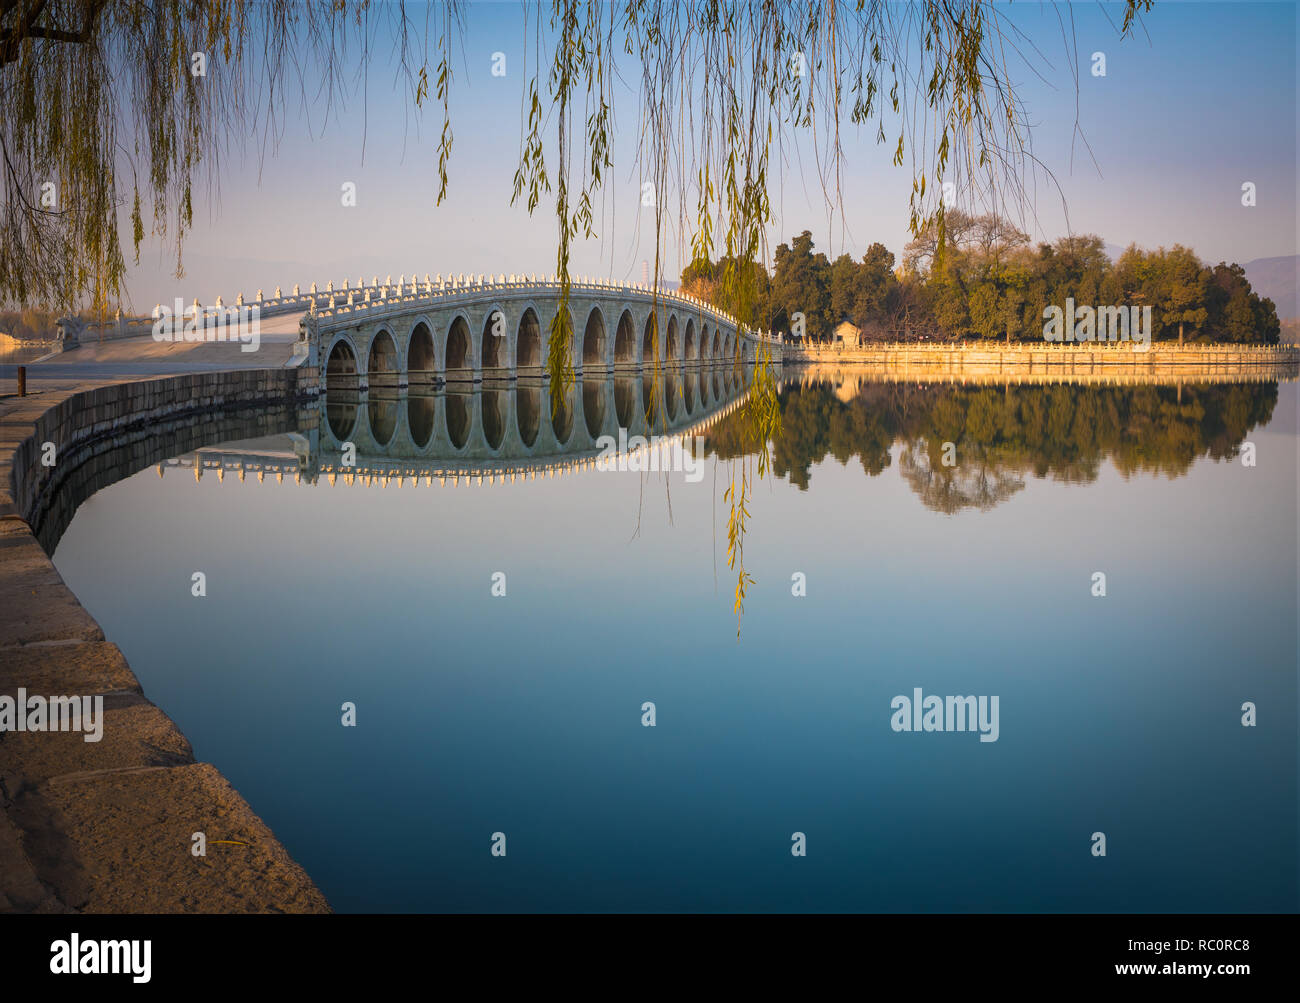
[
  {"x": 595, "y": 346},
  {"x": 528, "y": 340},
  {"x": 494, "y": 342},
  {"x": 570, "y": 337},
  {"x": 382, "y": 361},
  {"x": 341, "y": 370},
  {"x": 625, "y": 340},
  {"x": 459, "y": 352},
  {"x": 716, "y": 350},
  {"x": 672, "y": 345},
  {"x": 650, "y": 353},
  {"x": 691, "y": 347},
  {"x": 421, "y": 355}
]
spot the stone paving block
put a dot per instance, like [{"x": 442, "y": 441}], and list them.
[
  {"x": 65, "y": 668},
  {"x": 121, "y": 842},
  {"x": 132, "y": 733},
  {"x": 35, "y": 605}
]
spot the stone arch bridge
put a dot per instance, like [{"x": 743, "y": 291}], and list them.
[{"x": 482, "y": 330}]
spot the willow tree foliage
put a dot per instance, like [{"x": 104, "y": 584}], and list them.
[{"x": 113, "y": 112}]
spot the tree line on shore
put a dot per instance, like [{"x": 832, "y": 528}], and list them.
[{"x": 982, "y": 281}]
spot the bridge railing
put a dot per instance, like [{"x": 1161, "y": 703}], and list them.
[
  {"x": 348, "y": 301},
  {"x": 399, "y": 297}
]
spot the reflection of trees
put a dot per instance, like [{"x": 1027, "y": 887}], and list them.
[
  {"x": 1000, "y": 435},
  {"x": 977, "y": 484}
]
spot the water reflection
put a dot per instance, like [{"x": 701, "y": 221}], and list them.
[
  {"x": 383, "y": 418},
  {"x": 342, "y": 418},
  {"x": 495, "y": 406},
  {"x": 421, "y": 414},
  {"x": 956, "y": 447},
  {"x": 1102, "y": 702},
  {"x": 473, "y": 424},
  {"x": 458, "y": 412},
  {"x": 973, "y": 447},
  {"x": 528, "y": 412},
  {"x": 593, "y": 406},
  {"x": 562, "y": 416}
]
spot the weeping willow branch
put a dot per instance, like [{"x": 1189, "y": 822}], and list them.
[{"x": 113, "y": 112}]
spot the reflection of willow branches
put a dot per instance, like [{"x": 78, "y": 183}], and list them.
[
  {"x": 981, "y": 483},
  {"x": 760, "y": 423}
]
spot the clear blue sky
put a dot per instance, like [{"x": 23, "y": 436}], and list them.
[{"x": 1199, "y": 100}]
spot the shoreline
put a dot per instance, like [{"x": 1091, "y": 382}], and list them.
[
  {"x": 106, "y": 827},
  {"x": 1040, "y": 364}
]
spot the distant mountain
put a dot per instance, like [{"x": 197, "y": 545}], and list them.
[{"x": 1276, "y": 279}]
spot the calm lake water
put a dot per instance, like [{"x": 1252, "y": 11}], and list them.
[{"x": 522, "y": 714}]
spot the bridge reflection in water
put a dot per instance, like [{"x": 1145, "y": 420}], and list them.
[
  {"x": 1001, "y": 434},
  {"x": 481, "y": 431}
]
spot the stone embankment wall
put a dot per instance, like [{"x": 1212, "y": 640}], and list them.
[
  {"x": 106, "y": 826},
  {"x": 1028, "y": 360}
]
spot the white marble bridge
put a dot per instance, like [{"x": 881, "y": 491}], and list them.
[{"x": 475, "y": 330}]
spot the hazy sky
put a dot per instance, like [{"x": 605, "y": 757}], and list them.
[{"x": 1200, "y": 100}]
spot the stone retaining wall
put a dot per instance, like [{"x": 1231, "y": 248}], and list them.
[
  {"x": 1030, "y": 358},
  {"x": 106, "y": 826}
]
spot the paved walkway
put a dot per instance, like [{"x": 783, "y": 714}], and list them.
[{"x": 146, "y": 357}]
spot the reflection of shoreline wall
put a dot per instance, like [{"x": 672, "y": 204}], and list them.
[
  {"x": 1038, "y": 362},
  {"x": 106, "y": 827}
]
